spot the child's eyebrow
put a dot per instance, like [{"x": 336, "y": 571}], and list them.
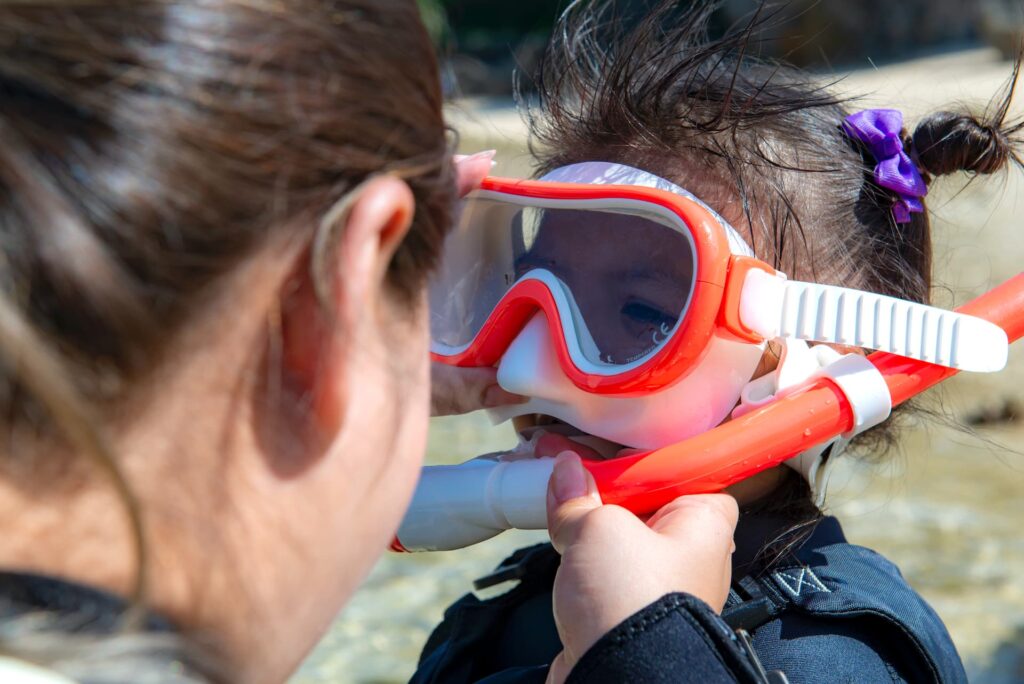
[{"x": 657, "y": 273}]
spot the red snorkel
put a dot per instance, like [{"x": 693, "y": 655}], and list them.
[{"x": 456, "y": 506}]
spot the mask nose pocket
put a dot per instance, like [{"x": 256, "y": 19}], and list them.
[{"x": 530, "y": 366}]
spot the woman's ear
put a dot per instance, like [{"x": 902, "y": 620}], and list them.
[
  {"x": 356, "y": 241},
  {"x": 329, "y": 308}
]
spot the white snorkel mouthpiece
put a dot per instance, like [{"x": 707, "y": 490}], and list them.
[{"x": 474, "y": 501}]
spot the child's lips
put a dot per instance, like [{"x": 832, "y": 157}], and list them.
[
  {"x": 551, "y": 444},
  {"x": 546, "y": 437}
]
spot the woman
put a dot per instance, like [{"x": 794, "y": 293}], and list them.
[{"x": 216, "y": 220}]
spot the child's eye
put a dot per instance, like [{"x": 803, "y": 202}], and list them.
[{"x": 648, "y": 316}]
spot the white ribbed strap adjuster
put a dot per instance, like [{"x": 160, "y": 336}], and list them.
[{"x": 775, "y": 307}]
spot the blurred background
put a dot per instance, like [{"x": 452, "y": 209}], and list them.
[
  {"x": 947, "y": 507},
  {"x": 484, "y": 40}
]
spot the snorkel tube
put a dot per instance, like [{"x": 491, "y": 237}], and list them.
[{"x": 456, "y": 506}]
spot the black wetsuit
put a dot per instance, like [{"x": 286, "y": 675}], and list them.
[
  {"x": 34, "y": 606},
  {"x": 828, "y": 612}
]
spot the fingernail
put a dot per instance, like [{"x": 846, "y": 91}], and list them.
[
  {"x": 486, "y": 154},
  {"x": 495, "y": 395},
  {"x": 568, "y": 481}
]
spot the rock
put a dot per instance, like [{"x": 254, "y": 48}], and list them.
[{"x": 1006, "y": 411}]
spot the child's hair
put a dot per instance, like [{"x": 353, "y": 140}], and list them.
[
  {"x": 758, "y": 141},
  {"x": 148, "y": 147}
]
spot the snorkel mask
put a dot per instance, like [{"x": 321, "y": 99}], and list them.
[{"x": 623, "y": 306}]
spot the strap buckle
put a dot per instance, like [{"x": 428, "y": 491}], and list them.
[{"x": 773, "y": 677}]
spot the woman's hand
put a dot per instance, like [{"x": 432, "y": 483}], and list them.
[
  {"x": 470, "y": 169},
  {"x": 456, "y": 390},
  {"x": 614, "y": 564}
]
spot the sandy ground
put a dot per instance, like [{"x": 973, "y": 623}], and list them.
[{"x": 947, "y": 508}]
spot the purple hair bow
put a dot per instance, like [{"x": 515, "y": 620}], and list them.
[{"x": 879, "y": 129}]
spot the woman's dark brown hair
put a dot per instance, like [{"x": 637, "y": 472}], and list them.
[
  {"x": 148, "y": 146},
  {"x": 758, "y": 141}
]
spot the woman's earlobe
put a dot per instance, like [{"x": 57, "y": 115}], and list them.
[{"x": 296, "y": 408}]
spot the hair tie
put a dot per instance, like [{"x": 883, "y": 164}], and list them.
[{"x": 880, "y": 129}]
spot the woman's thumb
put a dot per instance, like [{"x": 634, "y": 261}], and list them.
[
  {"x": 572, "y": 494},
  {"x": 559, "y": 670}
]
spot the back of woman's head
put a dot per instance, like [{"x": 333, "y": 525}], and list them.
[{"x": 146, "y": 147}]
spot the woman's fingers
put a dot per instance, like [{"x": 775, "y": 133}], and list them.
[
  {"x": 704, "y": 526},
  {"x": 572, "y": 495},
  {"x": 471, "y": 169},
  {"x": 709, "y": 512},
  {"x": 461, "y": 390},
  {"x": 559, "y": 670},
  {"x": 455, "y": 390},
  {"x": 614, "y": 564}
]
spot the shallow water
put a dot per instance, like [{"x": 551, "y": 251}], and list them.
[{"x": 947, "y": 508}]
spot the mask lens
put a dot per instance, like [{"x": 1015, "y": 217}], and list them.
[{"x": 625, "y": 277}]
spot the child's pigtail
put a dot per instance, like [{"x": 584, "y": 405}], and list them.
[{"x": 948, "y": 142}]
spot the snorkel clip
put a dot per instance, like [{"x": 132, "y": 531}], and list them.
[{"x": 799, "y": 366}]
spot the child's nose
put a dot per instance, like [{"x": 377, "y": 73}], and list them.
[{"x": 530, "y": 366}]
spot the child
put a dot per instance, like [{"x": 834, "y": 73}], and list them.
[{"x": 778, "y": 157}]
